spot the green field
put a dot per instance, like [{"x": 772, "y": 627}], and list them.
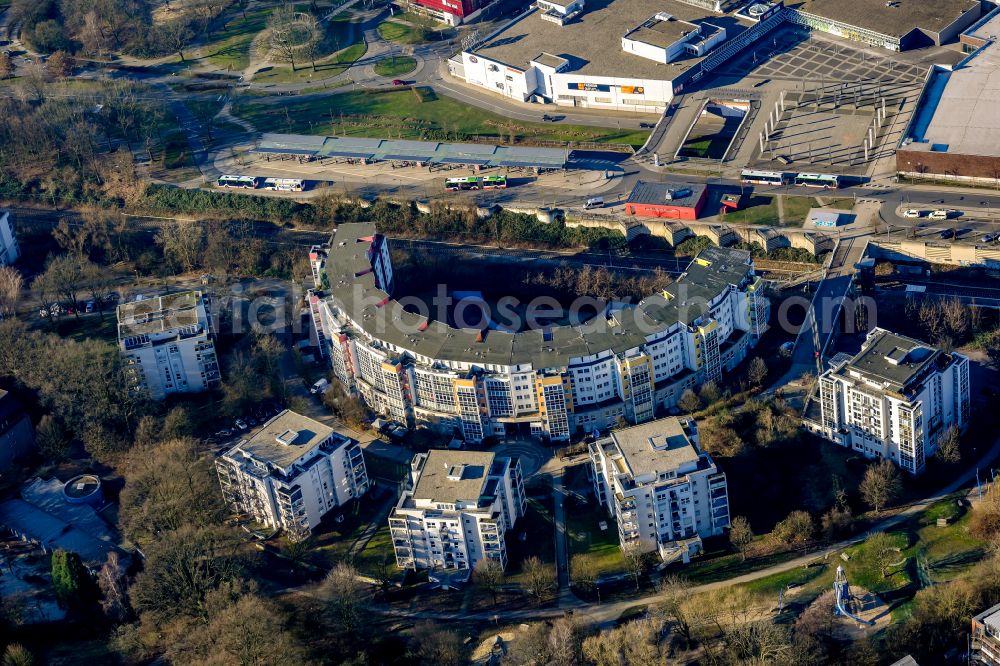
[
  {"x": 325, "y": 69},
  {"x": 402, "y": 33},
  {"x": 797, "y": 208},
  {"x": 232, "y": 51},
  {"x": 411, "y": 114},
  {"x": 395, "y": 66}
]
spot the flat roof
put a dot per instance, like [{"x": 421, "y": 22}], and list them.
[
  {"x": 657, "y": 446},
  {"x": 962, "y": 109},
  {"x": 656, "y": 194},
  {"x": 353, "y": 290},
  {"x": 263, "y": 444},
  {"x": 893, "y": 359},
  {"x": 483, "y": 154},
  {"x": 469, "y": 471},
  {"x": 159, "y": 314},
  {"x": 896, "y": 19},
  {"x": 592, "y": 42},
  {"x": 661, "y": 32}
]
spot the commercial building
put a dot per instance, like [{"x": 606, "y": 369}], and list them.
[
  {"x": 452, "y": 12},
  {"x": 9, "y": 250},
  {"x": 17, "y": 436},
  {"x": 167, "y": 342},
  {"x": 291, "y": 472},
  {"x": 985, "y": 639},
  {"x": 666, "y": 201},
  {"x": 955, "y": 132},
  {"x": 546, "y": 381},
  {"x": 898, "y": 25},
  {"x": 629, "y": 55},
  {"x": 457, "y": 511},
  {"x": 664, "y": 493},
  {"x": 893, "y": 400}
]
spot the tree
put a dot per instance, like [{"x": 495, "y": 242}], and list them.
[
  {"x": 721, "y": 439},
  {"x": 880, "y": 485},
  {"x": 583, "y": 572},
  {"x": 291, "y": 32},
  {"x": 948, "y": 450},
  {"x": 182, "y": 242},
  {"x": 689, "y": 401},
  {"x": 564, "y": 644},
  {"x": 113, "y": 584},
  {"x": 881, "y": 551},
  {"x": 65, "y": 277},
  {"x": 11, "y": 286},
  {"x": 677, "y": 606},
  {"x": 709, "y": 393},
  {"x": 539, "y": 578},
  {"x": 795, "y": 530},
  {"x": 488, "y": 576},
  {"x": 741, "y": 536},
  {"x": 438, "y": 645},
  {"x": 174, "y": 36},
  {"x": 6, "y": 65},
  {"x": 635, "y": 560},
  {"x": 60, "y": 65},
  {"x": 71, "y": 582},
  {"x": 343, "y": 593},
  {"x": 757, "y": 371},
  {"x": 51, "y": 439},
  {"x": 100, "y": 283},
  {"x": 17, "y": 655}
]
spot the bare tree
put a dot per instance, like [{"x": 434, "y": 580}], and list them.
[
  {"x": 881, "y": 551},
  {"x": 344, "y": 595},
  {"x": 740, "y": 535},
  {"x": 880, "y": 485},
  {"x": 948, "y": 449},
  {"x": 757, "y": 371},
  {"x": 11, "y": 285},
  {"x": 488, "y": 576},
  {"x": 795, "y": 530},
  {"x": 689, "y": 401},
  {"x": 677, "y": 606},
  {"x": 539, "y": 578},
  {"x": 635, "y": 560},
  {"x": 583, "y": 572},
  {"x": 181, "y": 242}
]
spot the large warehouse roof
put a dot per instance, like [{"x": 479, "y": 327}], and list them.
[
  {"x": 482, "y": 154},
  {"x": 896, "y": 19}
]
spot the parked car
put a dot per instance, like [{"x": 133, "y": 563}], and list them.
[
  {"x": 241, "y": 424},
  {"x": 912, "y": 212},
  {"x": 987, "y": 238},
  {"x": 647, "y": 125},
  {"x": 942, "y": 214},
  {"x": 251, "y": 420},
  {"x": 89, "y": 307},
  {"x": 398, "y": 82},
  {"x": 947, "y": 233},
  {"x": 320, "y": 387},
  {"x": 225, "y": 432},
  {"x": 547, "y": 118}
]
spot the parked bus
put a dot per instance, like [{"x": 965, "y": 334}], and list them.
[
  {"x": 284, "y": 184},
  {"x": 466, "y": 183},
  {"x": 823, "y": 180},
  {"x": 763, "y": 177},
  {"x": 246, "y": 182},
  {"x": 495, "y": 183}
]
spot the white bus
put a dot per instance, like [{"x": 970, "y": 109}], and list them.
[
  {"x": 763, "y": 177},
  {"x": 245, "y": 182},
  {"x": 826, "y": 181},
  {"x": 284, "y": 184}
]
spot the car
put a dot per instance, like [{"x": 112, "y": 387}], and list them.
[
  {"x": 43, "y": 313},
  {"x": 912, "y": 212},
  {"x": 947, "y": 233},
  {"x": 225, "y": 432},
  {"x": 548, "y": 119},
  {"x": 113, "y": 296},
  {"x": 320, "y": 387},
  {"x": 647, "y": 125},
  {"x": 398, "y": 82},
  {"x": 251, "y": 420},
  {"x": 986, "y": 238},
  {"x": 941, "y": 214},
  {"x": 241, "y": 424},
  {"x": 89, "y": 307}
]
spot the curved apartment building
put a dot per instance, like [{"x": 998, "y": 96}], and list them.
[{"x": 630, "y": 362}]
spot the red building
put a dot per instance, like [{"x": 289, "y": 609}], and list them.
[
  {"x": 451, "y": 12},
  {"x": 664, "y": 200}
]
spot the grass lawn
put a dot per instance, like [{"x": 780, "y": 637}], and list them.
[
  {"x": 411, "y": 114},
  {"x": 537, "y": 527},
  {"x": 86, "y": 326},
  {"x": 862, "y": 571},
  {"x": 587, "y": 539},
  {"x": 759, "y": 209},
  {"x": 175, "y": 152},
  {"x": 419, "y": 19},
  {"x": 332, "y": 541},
  {"x": 395, "y": 66},
  {"x": 402, "y": 33},
  {"x": 378, "y": 556},
  {"x": 945, "y": 552},
  {"x": 232, "y": 49},
  {"x": 325, "y": 68}
]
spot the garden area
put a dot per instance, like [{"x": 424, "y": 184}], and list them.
[
  {"x": 395, "y": 66},
  {"x": 417, "y": 113}
]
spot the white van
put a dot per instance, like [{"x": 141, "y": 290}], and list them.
[
  {"x": 320, "y": 387},
  {"x": 596, "y": 202}
]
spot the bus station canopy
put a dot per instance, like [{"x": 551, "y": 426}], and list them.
[{"x": 430, "y": 152}]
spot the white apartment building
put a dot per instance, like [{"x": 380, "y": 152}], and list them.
[
  {"x": 9, "y": 250},
  {"x": 292, "y": 472},
  {"x": 458, "y": 510},
  {"x": 893, "y": 400},
  {"x": 624, "y": 363},
  {"x": 663, "y": 491},
  {"x": 167, "y": 342}
]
